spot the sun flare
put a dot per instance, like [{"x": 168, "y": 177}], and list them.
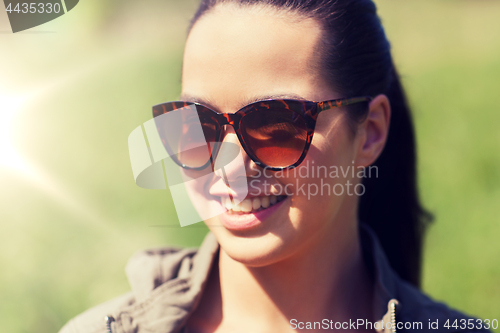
[{"x": 10, "y": 105}]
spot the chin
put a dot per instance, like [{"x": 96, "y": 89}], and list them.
[{"x": 258, "y": 250}]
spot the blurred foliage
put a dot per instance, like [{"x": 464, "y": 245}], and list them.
[{"x": 68, "y": 228}]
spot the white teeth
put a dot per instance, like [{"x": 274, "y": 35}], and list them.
[
  {"x": 255, "y": 203},
  {"x": 246, "y": 206},
  {"x": 250, "y": 204},
  {"x": 264, "y": 201},
  {"x": 236, "y": 208}
]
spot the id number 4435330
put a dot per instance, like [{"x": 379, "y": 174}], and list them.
[
  {"x": 472, "y": 324},
  {"x": 34, "y": 7}
]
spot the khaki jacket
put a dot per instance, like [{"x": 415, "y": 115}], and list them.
[{"x": 167, "y": 285}]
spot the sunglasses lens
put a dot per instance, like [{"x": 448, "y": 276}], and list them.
[
  {"x": 188, "y": 133},
  {"x": 195, "y": 150},
  {"x": 275, "y": 134}
]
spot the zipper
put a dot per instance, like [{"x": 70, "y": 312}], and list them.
[
  {"x": 392, "y": 307},
  {"x": 109, "y": 321}
]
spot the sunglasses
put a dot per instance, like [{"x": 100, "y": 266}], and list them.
[{"x": 275, "y": 134}]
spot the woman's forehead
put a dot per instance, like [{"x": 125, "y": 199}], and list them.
[{"x": 234, "y": 51}]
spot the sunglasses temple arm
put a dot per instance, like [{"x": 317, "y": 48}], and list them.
[{"x": 335, "y": 103}]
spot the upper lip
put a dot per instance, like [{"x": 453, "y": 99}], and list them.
[{"x": 220, "y": 189}]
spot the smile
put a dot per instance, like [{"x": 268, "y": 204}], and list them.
[{"x": 251, "y": 205}]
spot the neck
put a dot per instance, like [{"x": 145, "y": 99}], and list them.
[{"x": 325, "y": 279}]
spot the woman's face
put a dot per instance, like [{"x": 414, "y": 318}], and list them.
[{"x": 235, "y": 56}]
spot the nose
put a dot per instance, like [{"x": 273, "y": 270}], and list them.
[
  {"x": 229, "y": 167},
  {"x": 231, "y": 162},
  {"x": 232, "y": 165}
]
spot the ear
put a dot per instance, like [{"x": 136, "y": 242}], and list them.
[{"x": 373, "y": 132}]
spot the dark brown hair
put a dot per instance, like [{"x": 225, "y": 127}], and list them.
[{"x": 357, "y": 61}]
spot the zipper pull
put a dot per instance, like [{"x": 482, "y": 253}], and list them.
[
  {"x": 392, "y": 308},
  {"x": 109, "y": 321},
  {"x": 389, "y": 317}
]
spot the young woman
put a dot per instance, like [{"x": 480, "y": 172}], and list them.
[{"x": 295, "y": 84}]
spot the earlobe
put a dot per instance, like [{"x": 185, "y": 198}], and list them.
[{"x": 375, "y": 130}]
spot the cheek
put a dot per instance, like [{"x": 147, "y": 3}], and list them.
[
  {"x": 192, "y": 200},
  {"x": 325, "y": 177}
]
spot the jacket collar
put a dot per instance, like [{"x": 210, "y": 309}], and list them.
[{"x": 385, "y": 280}]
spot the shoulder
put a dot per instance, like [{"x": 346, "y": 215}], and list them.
[
  {"x": 165, "y": 283},
  {"x": 93, "y": 320},
  {"x": 414, "y": 310},
  {"x": 434, "y": 316},
  {"x": 146, "y": 270}
]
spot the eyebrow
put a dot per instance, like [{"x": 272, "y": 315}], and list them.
[{"x": 208, "y": 102}]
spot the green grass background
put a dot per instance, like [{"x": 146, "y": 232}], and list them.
[{"x": 67, "y": 232}]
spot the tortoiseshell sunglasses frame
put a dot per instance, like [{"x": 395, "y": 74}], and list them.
[{"x": 308, "y": 110}]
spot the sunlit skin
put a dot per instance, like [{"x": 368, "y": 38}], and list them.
[{"x": 305, "y": 262}]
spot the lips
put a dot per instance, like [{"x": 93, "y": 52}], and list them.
[
  {"x": 252, "y": 211},
  {"x": 251, "y": 205},
  {"x": 244, "y": 217}
]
